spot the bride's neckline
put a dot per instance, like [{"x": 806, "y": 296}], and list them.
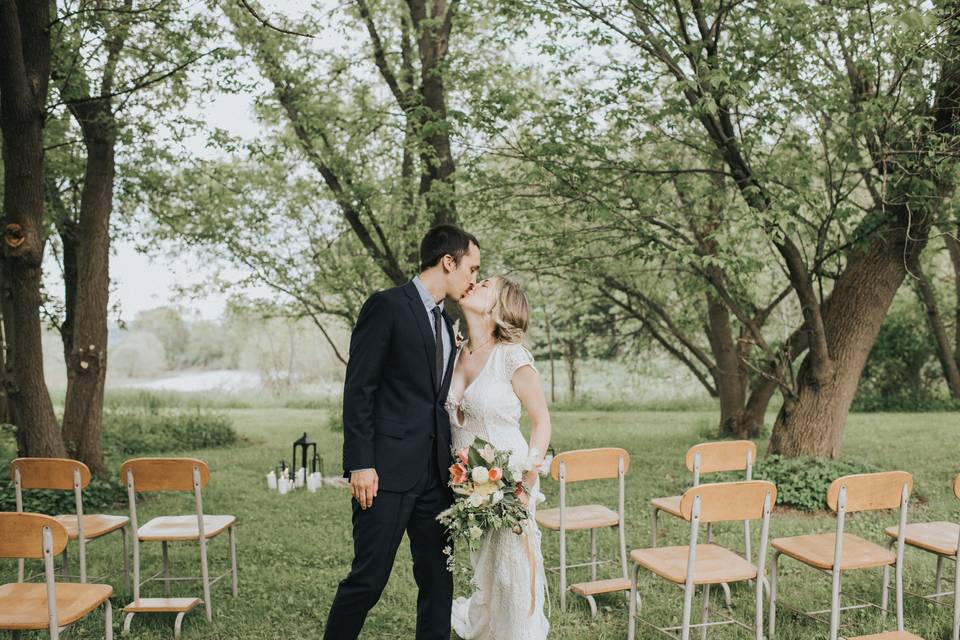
[{"x": 486, "y": 363}]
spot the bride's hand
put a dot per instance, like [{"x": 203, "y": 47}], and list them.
[{"x": 524, "y": 498}]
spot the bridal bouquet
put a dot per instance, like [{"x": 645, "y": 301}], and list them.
[{"x": 488, "y": 483}]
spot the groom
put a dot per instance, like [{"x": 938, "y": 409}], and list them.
[{"x": 396, "y": 435}]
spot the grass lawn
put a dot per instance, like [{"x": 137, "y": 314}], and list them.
[{"x": 293, "y": 550}]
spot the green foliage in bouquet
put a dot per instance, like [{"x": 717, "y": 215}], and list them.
[{"x": 488, "y": 484}]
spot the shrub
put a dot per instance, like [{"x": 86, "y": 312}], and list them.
[
  {"x": 902, "y": 372},
  {"x": 101, "y": 493},
  {"x": 802, "y": 483},
  {"x": 131, "y": 432}
]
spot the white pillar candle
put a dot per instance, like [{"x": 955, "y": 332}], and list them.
[
  {"x": 311, "y": 484},
  {"x": 271, "y": 480},
  {"x": 282, "y": 486}
]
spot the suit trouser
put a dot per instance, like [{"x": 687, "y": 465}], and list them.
[{"x": 377, "y": 532}]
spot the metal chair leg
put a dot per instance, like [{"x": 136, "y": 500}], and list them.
[
  {"x": 593, "y": 606},
  {"x": 632, "y": 624},
  {"x": 126, "y": 562},
  {"x": 653, "y": 527},
  {"x": 127, "y": 619},
  {"x": 593, "y": 555},
  {"x": 885, "y": 593},
  {"x": 108, "y": 620},
  {"x": 205, "y": 573},
  {"x": 774, "y": 570},
  {"x": 563, "y": 570},
  {"x": 178, "y": 624},
  {"x": 166, "y": 568},
  {"x": 704, "y": 611},
  {"x": 956, "y": 601},
  {"x": 233, "y": 561},
  {"x": 939, "y": 577},
  {"x": 727, "y": 596}
]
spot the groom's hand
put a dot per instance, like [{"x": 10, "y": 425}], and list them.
[{"x": 364, "y": 485}]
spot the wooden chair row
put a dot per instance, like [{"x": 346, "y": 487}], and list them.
[
  {"x": 23, "y": 606},
  {"x": 705, "y": 565}
]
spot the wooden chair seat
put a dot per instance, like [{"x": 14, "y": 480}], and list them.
[
  {"x": 94, "y": 526},
  {"x": 24, "y": 605},
  {"x": 936, "y": 537},
  {"x": 162, "y": 605},
  {"x": 817, "y": 550},
  {"x": 889, "y": 635},
  {"x": 171, "y": 528},
  {"x": 600, "y": 586},
  {"x": 714, "y": 564},
  {"x": 588, "y": 516},
  {"x": 670, "y": 505}
]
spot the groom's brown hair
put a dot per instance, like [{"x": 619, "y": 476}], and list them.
[{"x": 442, "y": 240}]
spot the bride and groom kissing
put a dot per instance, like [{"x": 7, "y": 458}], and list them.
[{"x": 412, "y": 395}]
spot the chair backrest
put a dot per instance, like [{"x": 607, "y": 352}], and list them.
[
  {"x": 23, "y": 535},
  {"x": 727, "y": 501},
  {"x": 49, "y": 473},
  {"x": 722, "y": 456},
  {"x": 590, "y": 464},
  {"x": 870, "y": 491},
  {"x": 164, "y": 474}
]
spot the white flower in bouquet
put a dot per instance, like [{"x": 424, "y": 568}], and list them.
[
  {"x": 487, "y": 453},
  {"x": 476, "y": 532},
  {"x": 476, "y": 500},
  {"x": 480, "y": 475},
  {"x": 496, "y": 497}
]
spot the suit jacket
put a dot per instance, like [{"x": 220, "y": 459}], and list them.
[{"x": 393, "y": 413}]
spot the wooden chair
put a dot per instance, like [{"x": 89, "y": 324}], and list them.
[
  {"x": 578, "y": 466},
  {"x": 709, "y": 564},
  {"x": 709, "y": 457},
  {"x": 837, "y": 552},
  {"x": 64, "y": 474},
  {"x": 53, "y": 605},
  {"x": 174, "y": 474},
  {"x": 942, "y": 539}
]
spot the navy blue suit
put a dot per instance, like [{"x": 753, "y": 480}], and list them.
[{"x": 394, "y": 421}]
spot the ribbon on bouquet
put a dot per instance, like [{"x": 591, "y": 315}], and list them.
[{"x": 532, "y": 561}]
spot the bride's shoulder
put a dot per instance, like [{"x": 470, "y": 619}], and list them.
[{"x": 514, "y": 356}]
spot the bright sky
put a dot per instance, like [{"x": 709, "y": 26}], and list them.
[{"x": 139, "y": 282}]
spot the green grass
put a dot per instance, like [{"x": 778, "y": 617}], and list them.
[{"x": 294, "y": 550}]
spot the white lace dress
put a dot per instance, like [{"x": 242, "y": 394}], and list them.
[{"x": 499, "y": 608}]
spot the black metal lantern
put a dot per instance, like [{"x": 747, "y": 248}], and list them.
[
  {"x": 317, "y": 463},
  {"x": 304, "y": 442}
]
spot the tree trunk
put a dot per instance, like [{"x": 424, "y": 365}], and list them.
[
  {"x": 570, "y": 356},
  {"x": 953, "y": 248},
  {"x": 811, "y": 421},
  {"x": 24, "y": 79},
  {"x": 951, "y": 372},
  {"x": 728, "y": 374},
  {"x": 86, "y": 356},
  {"x": 432, "y": 21}
]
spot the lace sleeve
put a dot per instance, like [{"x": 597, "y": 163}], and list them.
[{"x": 517, "y": 356}]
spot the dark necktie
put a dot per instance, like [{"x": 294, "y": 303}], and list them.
[{"x": 437, "y": 322}]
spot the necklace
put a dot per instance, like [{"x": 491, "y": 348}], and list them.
[{"x": 488, "y": 341}]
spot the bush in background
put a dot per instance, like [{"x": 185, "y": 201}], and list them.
[
  {"x": 902, "y": 372},
  {"x": 135, "y": 431},
  {"x": 802, "y": 483},
  {"x": 129, "y": 430}
]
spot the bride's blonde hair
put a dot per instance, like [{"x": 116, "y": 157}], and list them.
[{"x": 511, "y": 311}]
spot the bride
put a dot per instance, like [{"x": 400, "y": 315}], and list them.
[{"x": 493, "y": 376}]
